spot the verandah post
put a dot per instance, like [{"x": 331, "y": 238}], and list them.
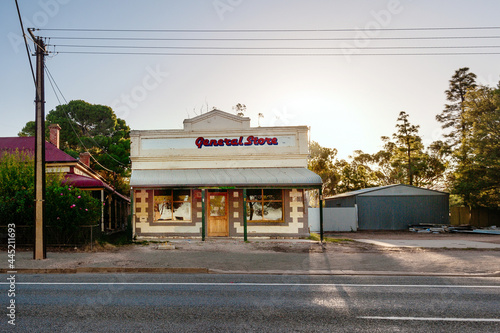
[
  {"x": 321, "y": 214},
  {"x": 245, "y": 235},
  {"x": 203, "y": 215}
]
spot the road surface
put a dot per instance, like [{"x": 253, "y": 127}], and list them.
[{"x": 250, "y": 303}]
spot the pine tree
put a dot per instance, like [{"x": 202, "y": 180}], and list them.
[
  {"x": 409, "y": 147},
  {"x": 453, "y": 115}
]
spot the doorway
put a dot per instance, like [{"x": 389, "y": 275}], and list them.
[{"x": 218, "y": 222}]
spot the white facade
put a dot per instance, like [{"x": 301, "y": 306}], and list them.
[
  {"x": 220, "y": 177},
  {"x": 178, "y": 149}
]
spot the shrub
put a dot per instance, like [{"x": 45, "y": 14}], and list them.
[
  {"x": 16, "y": 188},
  {"x": 66, "y": 207}
]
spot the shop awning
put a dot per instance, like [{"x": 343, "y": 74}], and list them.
[{"x": 255, "y": 177}]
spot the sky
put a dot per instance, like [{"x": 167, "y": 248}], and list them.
[{"x": 348, "y": 100}]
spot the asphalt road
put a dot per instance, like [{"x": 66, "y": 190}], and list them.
[{"x": 250, "y": 303}]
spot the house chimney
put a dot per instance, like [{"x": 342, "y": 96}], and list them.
[
  {"x": 54, "y": 134},
  {"x": 85, "y": 158}
]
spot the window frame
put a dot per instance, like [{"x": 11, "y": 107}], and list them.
[
  {"x": 262, "y": 201},
  {"x": 172, "y": 203}
]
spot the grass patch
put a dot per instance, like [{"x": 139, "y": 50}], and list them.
[{"x": 316, "y": 237}]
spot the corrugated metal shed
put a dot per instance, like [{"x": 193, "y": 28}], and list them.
[
  {"x": 298, "y": 177},
  {"x": 394, "y": 207}
]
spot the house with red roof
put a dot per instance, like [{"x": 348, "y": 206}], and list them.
[{"x": 77, "y": 172}]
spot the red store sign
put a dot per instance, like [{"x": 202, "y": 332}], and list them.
[{"x": 249, "y": 141}]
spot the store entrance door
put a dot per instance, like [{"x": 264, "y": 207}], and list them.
[{"x": 218, "y": 222}]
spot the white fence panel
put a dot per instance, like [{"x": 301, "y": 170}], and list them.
[{"x": 334, "y": 219}]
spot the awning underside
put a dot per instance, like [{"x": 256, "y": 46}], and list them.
[{"x": 298, "y": 177}]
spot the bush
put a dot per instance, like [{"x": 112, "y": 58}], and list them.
[
  {"x": 66, "y": 207},
  {"x": 16, "y": 188}
]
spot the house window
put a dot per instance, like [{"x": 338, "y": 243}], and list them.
[
  {"x": 172, "y": 205},
  {"x": 265, "y": 205}
]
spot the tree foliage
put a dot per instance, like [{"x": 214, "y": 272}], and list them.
[
  {"x": 403, "y": 160},
  {"x": 476, "y": 177},
  {"x": 321, "y": 161},
  {"x": 96, "y": 129},
  {"x": 408, "y": 153},
  {"x": 357, "y": 174},
  {"x": 452, "y": 117},
  {"x": 466, "y": 162}
]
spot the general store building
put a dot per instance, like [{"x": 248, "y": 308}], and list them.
[{"x": 220, "y": 177}]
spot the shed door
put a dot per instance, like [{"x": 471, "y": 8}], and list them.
[{"x": 218, "y": 223}]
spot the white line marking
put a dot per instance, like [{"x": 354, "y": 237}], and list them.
[
  {"x": 256, "y": 284},
  {"x": 494, "y": 320}
]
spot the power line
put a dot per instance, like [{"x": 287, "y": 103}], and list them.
[
  {"x": 52, "y": 83},
  {"x": 269, "y": 30},
  {"x": 276, "y": 39},
  {"x": 270, "y": 48},
  {"x": 279, "y": 54},
  {"x": 26, "y": 43},
  {"x": 301, "y": 43}
]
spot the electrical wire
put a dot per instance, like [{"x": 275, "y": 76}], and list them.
[
  {"x": 269, "y": 30},
  {"x": 269, "y": 48},
  {"x": 302, "y": 42},
  {"x": 280, "y": 54},
  {"x": 275, "y": 39},
  {"x": 53, "y": 83},
  {"x": 26, "y": 43}
]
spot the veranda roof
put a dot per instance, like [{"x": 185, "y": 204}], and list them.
[{"x": 242, "y": 177}]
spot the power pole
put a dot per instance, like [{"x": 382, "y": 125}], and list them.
[{"x": 40, "y": 250}]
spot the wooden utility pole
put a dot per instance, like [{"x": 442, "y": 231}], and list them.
[{"x": 40, "y": 251}]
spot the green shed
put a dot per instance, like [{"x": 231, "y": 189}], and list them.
[{"x": 394, "y": 207}]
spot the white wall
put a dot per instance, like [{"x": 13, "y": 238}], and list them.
[
  {"x": 334, "y": 219},
  {"x": 284, "y": 146}
]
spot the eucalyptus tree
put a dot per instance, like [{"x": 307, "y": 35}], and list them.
[{"x": 322, "y": 162}]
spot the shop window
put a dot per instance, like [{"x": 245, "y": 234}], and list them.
[
  {"x": 265, "y": 205},
  {"x": 172, "y": 205}
]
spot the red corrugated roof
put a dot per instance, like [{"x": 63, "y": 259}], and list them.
[
  {"x": 27, "y": 144},
  {"x": 84, "y": 182}
]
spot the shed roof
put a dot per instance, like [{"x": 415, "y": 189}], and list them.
[
  {"x": 237, "y": 177},
  {"x": 389, "y": 190}
]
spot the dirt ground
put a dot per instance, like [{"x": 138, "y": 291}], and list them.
[
  {"x": 415, "y": 235},
  {"x": 343, "y": 253},
  {"x": 343, "y": 242}
]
